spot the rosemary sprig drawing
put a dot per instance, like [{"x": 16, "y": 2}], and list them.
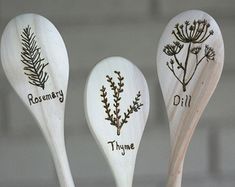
[
  {"x": 193, "y": 35},
  {"x": 31, "y": 58},
  {"x": 114, "y": 116}
]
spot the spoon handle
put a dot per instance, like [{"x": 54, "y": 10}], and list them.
[
  {"x": 179, "y": 148},
  {"x": 124, "y": 181},
  {"x": 60, "y": 158},
  {"x": 175, "y": 175}
]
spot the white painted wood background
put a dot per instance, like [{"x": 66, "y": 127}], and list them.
[{"x": 130, "y": 29}]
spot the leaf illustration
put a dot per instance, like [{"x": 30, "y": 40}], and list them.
[
  {"x": 31, "y": 58},
  {"x": 114, "y": 116}
]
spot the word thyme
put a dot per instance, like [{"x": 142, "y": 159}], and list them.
[
  {"x": 53, "y": 95},
  {"x": 123, "y": 148}
]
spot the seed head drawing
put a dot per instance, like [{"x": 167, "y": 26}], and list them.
[{"x": 191, "y": 36}]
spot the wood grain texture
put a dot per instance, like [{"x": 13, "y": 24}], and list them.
[
  {"x": 189, "y": 63},
  {"x": 35, "y": 61},
  {"x": 117, "y": 107}
]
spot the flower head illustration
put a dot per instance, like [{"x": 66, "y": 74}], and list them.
[
  {"x": 192, "y": 35},
  {"x": 197, "y": 32}
]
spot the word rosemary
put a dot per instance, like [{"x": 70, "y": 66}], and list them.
[
  {"x": 51, "y": 96},
  {"x": 192, "y": 34},
  {"x": 123, "y": 148},
  {"x": 31, "y": 58},
  {"x": 114, "y": 116}
]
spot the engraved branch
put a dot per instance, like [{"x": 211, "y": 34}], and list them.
[
  {"x": 193, "y": 35},
  {"x": 31, "y": 58},
  {"x": 114, "y": 116}
]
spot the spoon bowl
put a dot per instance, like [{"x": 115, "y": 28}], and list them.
[
  {"x": 35, "y": 61},
  {"x": 117, "y": 107},
  {"x": 190, "y": 60}
]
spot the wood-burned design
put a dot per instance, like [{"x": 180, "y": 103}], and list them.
[
  {"x": 31, "y": 58},
  {"x": 193, "y": 35},
  {"x": 115, "y": 118}
]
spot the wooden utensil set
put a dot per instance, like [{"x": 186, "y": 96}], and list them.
[{"x": 189, "y": 64}]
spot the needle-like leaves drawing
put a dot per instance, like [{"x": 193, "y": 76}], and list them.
[
  {"x": 31, "y": 58},
  {"x": 193, "y": 35},
  {"x": 114, "y": 116}
]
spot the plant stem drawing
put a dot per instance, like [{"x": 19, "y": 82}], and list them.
[
  {"x": 114, "y": 117},
  {"x": 31, "y": 58},
  {"x": 193, "y": 35}
]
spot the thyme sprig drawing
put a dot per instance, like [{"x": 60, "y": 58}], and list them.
[
  {"x": 31, "y": 58},
  {"x": 193, "y": 35},
  {"x": 114, "y": 116}
]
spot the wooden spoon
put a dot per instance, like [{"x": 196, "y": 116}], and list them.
[
  {"x": 189, "y": 62},
  {"x": 117, "y": 107},
  {"x": 35, "y": 61}
]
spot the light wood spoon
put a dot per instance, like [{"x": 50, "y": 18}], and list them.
[
  {"x": 189, "y": 63},
  {"x": 35, "y": 61},
  {"x": 117, "y": 107}
]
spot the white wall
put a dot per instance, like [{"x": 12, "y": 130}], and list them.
[{"x": 96, "y": 29}]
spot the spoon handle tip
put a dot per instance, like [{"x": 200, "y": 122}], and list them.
[{"x": 62, "y": 165}]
